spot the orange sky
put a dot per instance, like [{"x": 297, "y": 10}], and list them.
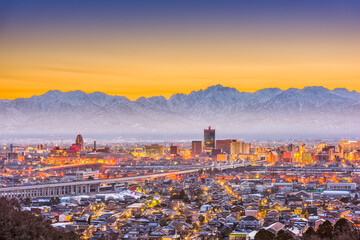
[{"x": 167, "y": 59}]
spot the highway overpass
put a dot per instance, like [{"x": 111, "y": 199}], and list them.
[{"x": 91, "y": 186}]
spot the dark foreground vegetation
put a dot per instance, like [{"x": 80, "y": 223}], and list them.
[
  {"x": 22, "y": 225},
  {"x": 342, "y": 230}
]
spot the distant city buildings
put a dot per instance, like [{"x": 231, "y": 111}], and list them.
[
  {"x": 196, "y": 147},
  {"x": 79, "y": 143},
  {"x": 274, "y": 186},
  {"x": 240, "y": 147},
  {"x": 209, "y": 139},
  {"x": 88, "y": 174},
  {"x": 225, "y": 145},
  {"x": 154, "y": 149},
  {"x": 174, "y": 150}
]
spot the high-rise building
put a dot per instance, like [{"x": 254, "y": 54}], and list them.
[
  {"x": 209, "y": 139},
  {"x": 174, "y": 149},
  {"x": 80, "y": 141},
  {"x": 246, "y": 148},
  {"x": 236, "y": 147},
  {"x": 224, "y": 145},
  {"x": 240, "y": 148},
  {"x": 196, "y": 147}
]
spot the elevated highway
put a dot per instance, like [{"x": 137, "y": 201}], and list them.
[{"x": 92, "y": 186}]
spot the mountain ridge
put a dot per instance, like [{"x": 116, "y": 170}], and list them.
[
  {"x": 311, "y": 110},
  {"x": 337, "y": 90}
]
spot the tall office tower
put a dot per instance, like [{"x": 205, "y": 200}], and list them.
[
  {"x": 80, "y": 141},
  {"x": 11, "y": 151},
  {"x": 209, "y": 139},
  {"x": 224, "y": 145},
  {"x": 196, "y": 147},
  {"x": 94, "y": 148}
]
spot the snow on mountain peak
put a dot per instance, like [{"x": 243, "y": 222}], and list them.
[{"x": 314, "y": 109}]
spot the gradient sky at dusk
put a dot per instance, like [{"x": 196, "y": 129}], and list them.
[{"x": 146, "y": 48}]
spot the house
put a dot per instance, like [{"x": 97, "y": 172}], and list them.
[
  {"x": 65, "y": 217},
  {"x": 249, "y": 223},
  {"x": 275, "y": 227},
  {"x": 238, "y": 235}
]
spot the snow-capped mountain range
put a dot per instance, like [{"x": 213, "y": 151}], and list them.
[{"x": 311, "y": 110}]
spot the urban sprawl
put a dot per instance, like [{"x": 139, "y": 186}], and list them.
[{"x": 205, "y": 189}]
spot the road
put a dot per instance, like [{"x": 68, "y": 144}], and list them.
[{"x": 117, "y": 180}]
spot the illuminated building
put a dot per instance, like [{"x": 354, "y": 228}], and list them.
[
  {"x": 236, "y": 147},
  {"x": 215, "y": 152},
  {"x": 323, "y": 157},
  {"x": 240, "y": 147},
  {"x": 154, "y": 149},
  {"x": 224, "y": 145},
  {"x": 88, "y": 174},
  {"x": 287, "y": 157},
  {"x": 273, "y": 156},
  {"x": 76, "y": 147},
  {"x": 209, "y": 139},
  {"x": 221, "y": 157},
  {"x": 174, "y": 150},
  {"x": 341, "y": 186},
  {"x": 246, "y": 148},
  {"x": 348, "y": 146},
  {"x": 235, "y": 235},
  {"x": 306, "y": 158},
  {"x": 57, "y": 152},
  {"x": 196, "y": 147},
  {"x": 80, "y": 141}
]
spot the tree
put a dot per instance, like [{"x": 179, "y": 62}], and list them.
[
  {"x": 325, "y": 230},
  {"x": 263, "y": 234},
  {"x": 341, "y": 226},
  {"x": 16, "y": 224},
  {"x": 310, "y": 232},
  {"x": 26, "y": 201},
  {"x": 282, "y": 235},
  {"x": 345, "y": 231},
  {"x": 224, "y": 234}
]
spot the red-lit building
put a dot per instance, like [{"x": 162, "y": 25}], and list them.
[{"x": 79, "y": 141}]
